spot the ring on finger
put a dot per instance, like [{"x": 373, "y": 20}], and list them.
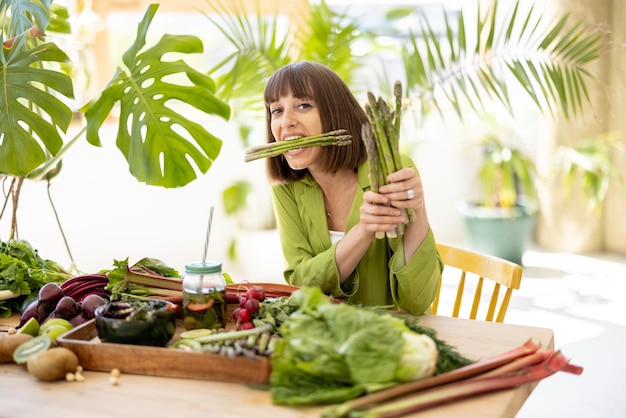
[{"x": 410, "y": 194}]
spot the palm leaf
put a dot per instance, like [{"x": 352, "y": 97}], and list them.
[
  {"x": 149, "y": 133},
  {"x": 259, "y": 49},
  {"x": 25, "y": 95},
  {"x": 262, "y": 43},
  {"x": 329, "y": 40},
  {"x": 546, "y": 59}
]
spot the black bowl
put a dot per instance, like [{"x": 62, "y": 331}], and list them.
[{"x": 141, "y": 322}]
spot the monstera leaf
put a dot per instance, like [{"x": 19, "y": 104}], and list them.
[
  {"x": 25, "y": 14},
  {"x": 158, "y": 142},
  {"x": 26, "y": 92}
]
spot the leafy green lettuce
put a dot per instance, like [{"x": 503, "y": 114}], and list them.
[
  {"x": 22, "y": 273},
  {"x": 331, "y": 352}
]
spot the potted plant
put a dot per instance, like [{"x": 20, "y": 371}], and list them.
[{"x": 502, "y": 220}]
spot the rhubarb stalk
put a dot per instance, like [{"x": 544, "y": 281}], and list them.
[
  {"x": 464, "y": 389},
  {"x": 465, "y": 372},
  {"x": 142, "y": 282},
  {"x": 522, "y": 365}
]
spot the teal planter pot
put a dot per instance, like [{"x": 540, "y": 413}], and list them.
[{"x": 504, "y": 233}]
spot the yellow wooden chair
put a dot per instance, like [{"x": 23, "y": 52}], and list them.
[{"x": 474, "y": 267}]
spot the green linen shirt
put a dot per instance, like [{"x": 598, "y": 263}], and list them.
[{"x": 381, "y": 278}]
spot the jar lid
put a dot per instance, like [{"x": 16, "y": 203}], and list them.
[{"x": 209, "y": 266}]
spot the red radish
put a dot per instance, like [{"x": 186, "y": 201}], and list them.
[
  {"x": 247, "y": 325},
  {"x": 256, "y": 292},
  {"x": 236, "y": 313},
  {"x": 245, "y": 316},
  {"x": 252, "y": 306}
]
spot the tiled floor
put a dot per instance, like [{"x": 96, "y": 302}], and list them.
[{"x": 583, "y": 299}]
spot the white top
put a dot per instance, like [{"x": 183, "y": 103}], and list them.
[{"x": 335, "y": 236}]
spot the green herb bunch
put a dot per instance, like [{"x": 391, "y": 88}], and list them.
[{"x": 22, "y": 273}]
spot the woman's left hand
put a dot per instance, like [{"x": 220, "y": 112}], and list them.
[{"x": 404, "y": 189}]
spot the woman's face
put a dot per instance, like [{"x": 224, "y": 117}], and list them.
[{"x": 291, "y": 118}]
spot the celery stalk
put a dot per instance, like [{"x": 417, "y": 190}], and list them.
[{"x": 7, "y": 294}]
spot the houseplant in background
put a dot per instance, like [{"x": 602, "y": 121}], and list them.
[{"x": 502, "y": 219}]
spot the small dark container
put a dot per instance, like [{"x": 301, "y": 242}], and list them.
[{"x": 140, "y": 322}]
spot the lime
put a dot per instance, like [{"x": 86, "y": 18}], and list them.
[
  {"x": 31, "y": 327},
  {"x": 30, "y": 347},
  {"x": 187, "y": 344},
  {"x": 54, "y": 331},
  {"x": 55, "y": 322}
]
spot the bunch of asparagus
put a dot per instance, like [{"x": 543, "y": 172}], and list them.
[
  {"x": 382, "y": 141},
  {"x": 339, "y": 137}
]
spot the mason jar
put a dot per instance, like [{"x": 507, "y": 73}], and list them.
[{"x": 204, "y": 295}]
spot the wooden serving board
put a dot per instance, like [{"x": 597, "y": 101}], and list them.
[
  {"x": 161, "y": 361},
  {"x": 166, "y": 362}
]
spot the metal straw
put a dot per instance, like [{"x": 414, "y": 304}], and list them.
[{"x": 208, "y": 233}]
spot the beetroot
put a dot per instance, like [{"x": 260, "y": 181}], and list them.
[
  {"x": 67, "y": 308},
  {"x": 50, "y": 294},
  {"x": 89, "y": 304}
]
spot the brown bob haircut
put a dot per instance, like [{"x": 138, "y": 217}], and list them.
[{"x": 338, "y": 109}]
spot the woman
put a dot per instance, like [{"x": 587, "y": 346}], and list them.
[{"x": 328, "y": 216}]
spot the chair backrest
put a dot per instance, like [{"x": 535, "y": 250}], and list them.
[{"x": 474, "y": 268}]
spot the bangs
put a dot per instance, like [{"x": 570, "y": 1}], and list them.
[{"x": 286, "y": 81}]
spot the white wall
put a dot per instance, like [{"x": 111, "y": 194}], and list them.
[{"x": 107, "y": 214}]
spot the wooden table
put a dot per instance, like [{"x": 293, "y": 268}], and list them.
[{"x": 21, "y": 395}]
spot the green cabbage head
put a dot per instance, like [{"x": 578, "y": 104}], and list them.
[{"x": 331, "y": 352}]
